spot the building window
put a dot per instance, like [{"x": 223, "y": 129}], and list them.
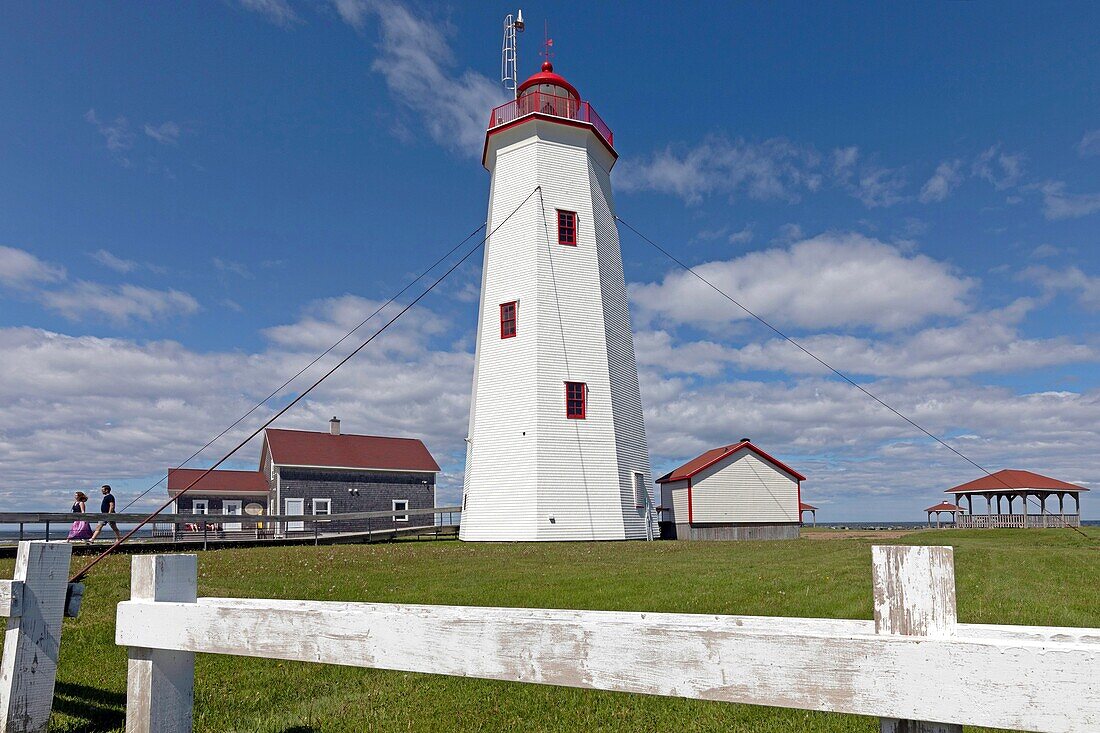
[
  {"x": 508, "y": 319},
  {"x": 200, "y": 506},
  {"x": 567, "y": 228},
  {"x": 322, "y": 506},
  {"x": 576, "y": 399},
  {"x": 401, "y": 505},
  {"x": 640, "y": 497}
]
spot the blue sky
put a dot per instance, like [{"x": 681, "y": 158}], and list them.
[{"x": 197, "y": 198}]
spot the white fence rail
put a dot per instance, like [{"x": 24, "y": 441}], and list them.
[
  {"x": 34, "y": 604},
  {"x": 913, "y": 663}
]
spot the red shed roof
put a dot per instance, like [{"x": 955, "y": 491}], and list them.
[
  {"x": 1013, "y": 479},
  {"x": 943, "y": 506},
  {"x": 219, "y": 481},
  {"x": 324, "y": 450},
  {"x": 697, "y": 464}
]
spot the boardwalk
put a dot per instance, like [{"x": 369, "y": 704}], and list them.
[{"x": 208, "y": 531}]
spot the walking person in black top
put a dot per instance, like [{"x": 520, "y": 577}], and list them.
[{"x": 107, "y": 506}]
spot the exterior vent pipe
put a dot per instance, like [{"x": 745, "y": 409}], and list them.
[{"x": 334, "y": 426}]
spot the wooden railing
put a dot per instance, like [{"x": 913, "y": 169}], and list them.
[
  {"x": 267, "y": 524},
  {"x": 1016, "y": 521},
  {"x": 914, "y": 662}
]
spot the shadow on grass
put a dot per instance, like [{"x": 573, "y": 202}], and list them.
[
  {"x": 299, "y": 729},
  {"x": 103, "y": 710}
]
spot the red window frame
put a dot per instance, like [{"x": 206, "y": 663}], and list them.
[
  {"x": 576, "y": 400},
  {"x": 567, "y": 228},
  {"x": 509, "y": 319}
]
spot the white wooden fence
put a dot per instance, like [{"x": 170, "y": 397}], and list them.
[
  {"x": 913, "y": 663},
  {"x": 34, "y": 603}
]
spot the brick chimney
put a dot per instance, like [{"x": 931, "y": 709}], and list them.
[{"x": 334, "y": 426}]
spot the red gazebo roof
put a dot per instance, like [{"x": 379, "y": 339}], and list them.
[
  {"x": 804, "y": 507},
  {"x": 943, "y": 506},
  {"x": 1014, "y": 479}
]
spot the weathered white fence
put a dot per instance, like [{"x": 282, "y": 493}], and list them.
[
  {"x": 34, "y": 603},
  {"x": 913, "y": 663}
]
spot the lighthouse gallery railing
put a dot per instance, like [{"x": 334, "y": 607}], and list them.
[{"x": 554, "y": 106}]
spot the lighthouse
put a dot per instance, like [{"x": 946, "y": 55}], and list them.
[{"x": 556, "y": 447}]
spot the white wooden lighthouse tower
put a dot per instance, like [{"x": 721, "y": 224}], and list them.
[{"x": 556, "y": 445}]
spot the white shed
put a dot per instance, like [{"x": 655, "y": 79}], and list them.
[{"x": 736, "y": 492}]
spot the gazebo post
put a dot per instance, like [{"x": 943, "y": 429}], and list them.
[
  {"x": 1077, "y": 502},
  {"x": 1061, "y": 503},
  {"x": 813, "y": 513},
  {"x": 1023, "y": 500}
]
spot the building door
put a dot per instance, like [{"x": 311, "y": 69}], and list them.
[
  {"x": 232, "y": 507},
  {"x": 296, "y": 507}
]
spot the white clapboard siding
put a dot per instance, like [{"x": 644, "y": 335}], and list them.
[
  {"x": 677, "y": 499},
  {"x": 1033, "y": 680},
  {"x": 531, "y": 473},
  {"x": 743, "y": 488}
]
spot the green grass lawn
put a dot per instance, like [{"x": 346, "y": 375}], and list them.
[{"x": 1047, "y": 577}]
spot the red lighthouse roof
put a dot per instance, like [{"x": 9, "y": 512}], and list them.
[{"x": 547, "y": 76}]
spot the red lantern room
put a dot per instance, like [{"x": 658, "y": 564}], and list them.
[{"x": 548, "y": 95}]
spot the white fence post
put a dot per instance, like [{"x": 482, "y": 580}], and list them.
[
  {"x": 160, "y": 685},
  {"x": 914, "y": 591},
  {"x": 28, "y": 670}
]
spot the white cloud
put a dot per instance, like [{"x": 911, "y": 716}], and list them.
[
  {"x": 278, "y": 12},
  {"x": 880, "y": 187},
  {"x": 986, "y": 342},
  {"x": 1003, "y": 170},
  {"x": 1071, "y": 280},
  {"x": 946, "y": 178},
  {"x": 415, "y": 62},
  {"x": 873, "y": 185},
  {"x": 120, "y": 304},
  {"x": 114, "y": 262},
  {"x": 774, "y": 169},
  {"x": 1044, "y": 251},
  {"x": 1057, "y": 204},
  {"x": 21, "y": 269},
  {"x": 982, "y": 343},
  {"x": 829, "y": 280},
  {"x": 863, "y": 462},
  {"x": 353, "y": 12},
  {"x": 166, "y": 133},
  {"x": 1090, "y": 143},
  {"x": 743, "y": 236},
  {"x": 117, "y": 134},
  {"x": 235, "y": 268},
  {"x": 79, "y": 411}
]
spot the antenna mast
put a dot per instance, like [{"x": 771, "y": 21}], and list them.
[{"x": 509, "y": 74}]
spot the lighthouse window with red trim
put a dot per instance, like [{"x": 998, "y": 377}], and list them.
[
  {"x": 508, "y": 321},
  {"x": 576, "y": 400},
  {"x": 567, "y": 228}
]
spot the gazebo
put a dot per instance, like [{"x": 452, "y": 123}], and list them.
[
  {"x": 803, "y": 507},
  {"x": 1008, "y": 485},
  {"x": 943, "y": 506}
]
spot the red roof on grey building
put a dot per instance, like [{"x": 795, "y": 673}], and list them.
[
  {"x": 697, "y": 464},
  {"x": 324, "y": 450},
  {"x": 227, "y": 481},
  {"x": 1010, "y": 478}
]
